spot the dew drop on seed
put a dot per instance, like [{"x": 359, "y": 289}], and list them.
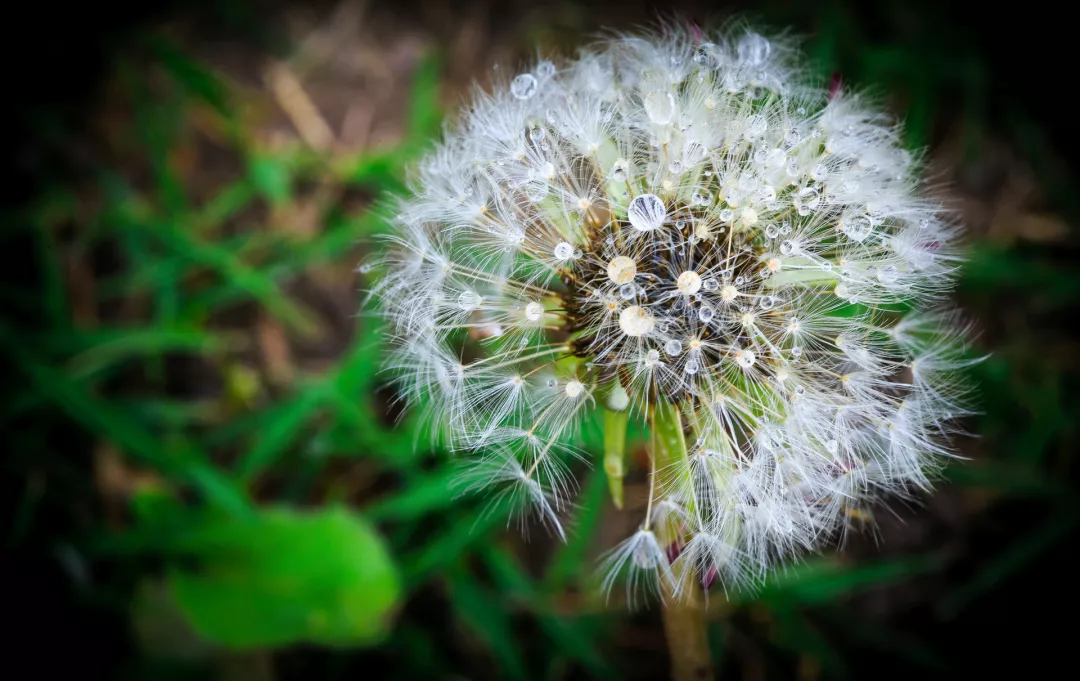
[
  {"x": 618, "y": 170},
  {"x": 727, "y": 215},
  {"x": 857, "y": 227},
  {"x": 653, "y": 356},
  {"x": 753, "y": 49},
  {"x": 523, "y": 86},
  {"x": 660, "y": 107},
  {"x": 833, "y": 446},
  {"x": 627, "y": 291},
  {"x": 537, "y": 134},
  {"x": 706, "y": 314},
  {"x": 701, "y": 198},
  {"x": 552, "y": 383},
  {"x": 676, "y": 167},
  {"x": 646, "y": 212},
  {"x": 365, "y": 268},
  {"x": 796, "y": 352},
  {"x": 710, "y": 284},
  {"x": 534, "y": 312},
  {"x": 564, "y": 251},
  {"x": 469, "y": 301},
  {"x": 793, "y": 169},
  {"x": 924, "y": 223},
  {"x": 545, "y": 69},
  {"x": 807, "y": 200},
  {"x": 673, "y": 347},
  {"x": 772, "y": 232},
  {"x": 694, "y": 153},
  {"x": 704, "y": 56},
  {"x": 536, "y": 190},
  {"x": 756, "y": 127},
  {"x": 785, "y": 227},
  {"x": 786, "y": 247}
]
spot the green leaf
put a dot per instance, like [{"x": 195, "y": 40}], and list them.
[
  {"x": 423, "y": 495},
  {"x": 485, "y": 614},
  {"x": 569, "y": 559},
  {"x": 284, "y": 577},
  {"x": 570, "y": 635},
  {"x": 823, "y": 581},
  {"x": 271, "y": 177}
]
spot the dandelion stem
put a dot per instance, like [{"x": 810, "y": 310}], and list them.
[{"x": 684, "y": 611}]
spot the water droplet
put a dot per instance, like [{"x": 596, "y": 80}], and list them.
[
  {"x": 756, "y": 127},
  {"x": 646, "y": 212},
  {"x": 727, "y": 215},
  {"x": 673, "y": 347},
  {"x": 660, "y": 107},
  {"x": 807, "y": 200},
  {"x": 832, "y": 446},
  {"x": 887, "y": 274},
  {"x": 470, "y": 300},
  {"x": 924, "y": 223},
  {"x": 856, "y": 227},
  {"x": 578, "y": 253},
  {"x": 523, "y": 86},
  {"x": 691, "y": 366},
  {"x": 745, "y": 358},
  {"x": 786, "y": 247},
  {"x": 537, "y": 134},
  {"x": 534, "y": 312},
  {"x": 545, "y": 69},
  {"x": 710, "y": 284},
  {"x": 676, "y": 167},
  {"x": 564, "y": 251},
  {"x": 701, "y": 198},
  {"x": 793, "y": 169},
  {"x": 796, "y": 352},
  {"x": 552, "y": 383},
  {"x": 753, "y": 49},
  {"x": 627, "y": 291},
  {"x": 618, "y": 170},
  {"x": 694, "y": 153},
  {"x": 365, "y": 268},
  {"x": 537, "y": 190},
  {"x": 652, "y": 356},
  {"x": 772, "y": 232},
  {"x": 704, "y": 56},
  {"x": 800, "y": 390},
  {"x": 706, "y": 314}
]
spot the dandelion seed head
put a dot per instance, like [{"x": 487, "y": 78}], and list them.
[{"x": 681, "y": 219}]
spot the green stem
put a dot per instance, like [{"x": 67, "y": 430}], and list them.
[{"x": 683, "y": 613}]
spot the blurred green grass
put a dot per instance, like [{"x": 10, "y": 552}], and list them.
[{"x": 138, "y": 333}]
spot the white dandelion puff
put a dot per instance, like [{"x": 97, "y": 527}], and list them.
[{"x": 677, "y": 224}]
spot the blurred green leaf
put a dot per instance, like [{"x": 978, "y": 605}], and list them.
[
  {"x": 485, "y": 613},
  {"x": 283, "y": 577},
  {"x": 823, "y": 581}
]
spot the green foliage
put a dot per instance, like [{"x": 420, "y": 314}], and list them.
[{"x": 280, "y": 577}]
